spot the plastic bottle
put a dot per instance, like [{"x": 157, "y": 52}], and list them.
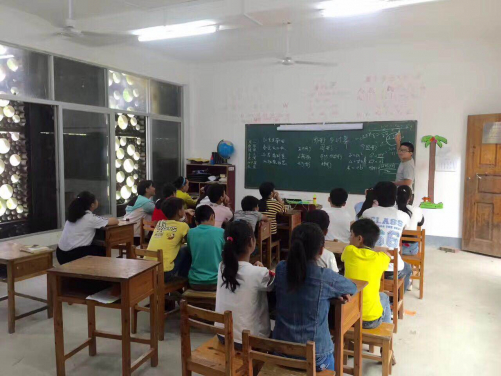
[
  {"x": 211, "y": 160},
  {"x": 315, "y": 200}
]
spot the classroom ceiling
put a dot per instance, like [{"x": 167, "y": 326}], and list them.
[{"x": 253, "y": 29}]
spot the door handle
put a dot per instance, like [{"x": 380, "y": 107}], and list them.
[{"x": 478, "y": 176}]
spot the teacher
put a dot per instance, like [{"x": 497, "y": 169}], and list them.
[{"x": 405, "y": 172}]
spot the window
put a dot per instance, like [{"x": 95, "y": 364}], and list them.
[
  {"x": 126, "y": 92},
  {"x": 165, "y": 99},
  {"x": 23, "y": 72},
  {"x": 78, "y": 82},
  {"x": 86, "y": 159},
  {"x": 165, "y": 149}
]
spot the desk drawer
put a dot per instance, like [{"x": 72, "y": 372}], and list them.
[
  {"x": 32, "y": 265},
  {"x": 141, "y": 286}
]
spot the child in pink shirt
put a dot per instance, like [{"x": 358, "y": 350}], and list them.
[{"x": 218, "y": 202}]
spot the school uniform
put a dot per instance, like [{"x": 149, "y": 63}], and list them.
[
  {"x": 328, "y": 260},
  {"x": 76, "y": 239},
  {"x": 339, "y": 227},
  {"x": 142, "y": 209}
]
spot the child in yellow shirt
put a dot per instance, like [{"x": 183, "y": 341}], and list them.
[
  {"x": 182, "y": 185},
  {"x": 364, "y": 264},
  {"x": 169, "y": 236}
]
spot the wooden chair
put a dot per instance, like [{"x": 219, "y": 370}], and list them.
[
  {"x": 264, "y": 350},
  {"x": 202, "y": 299},
  {"x": 394, "y": 288},
  {"x": 145, "y": 226},
  {"x": 381, "y": 337},
  {"x": 162, "y": 288},
  {"x": 212, "y": 358},
  {"x": 264, "y": 238},
  {"x": 416, "y": 261}
]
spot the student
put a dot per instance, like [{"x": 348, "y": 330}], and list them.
[
  {"x": 242, "y": 287},
  {"x": 168, "y": 191},
  {"x": 321, "y": 218},
  {"x": 270, "y": 204},
  {"x": 250, "y": 212},
  {"x": 391, "y": 223},
  {"x": 205, "y": 244},
  {"x": 80, "y": 229},
  {"x": 405, "y": 172},
  {"x": 362, "y": 263},
  {"x": 168, "y": 236},
  {"x": 404, "y": 196},
  {"x": 340, "y": 219},
  {"x": 141, "y": 207},
  {"x": 218, "y": 202},
  {"x": 370, "y": 201},
  {"x": 304, "y": 291},
  {"x": 182, "y": 185}
]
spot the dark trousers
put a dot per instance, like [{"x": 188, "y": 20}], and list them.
[
  {"x": 182, "y": 265},
  {"x": 64, "y": 257}
]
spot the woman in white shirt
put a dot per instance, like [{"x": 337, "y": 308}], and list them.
[
  {"x": 404, "y": 195},
  {"x": 80, "y": 228}
]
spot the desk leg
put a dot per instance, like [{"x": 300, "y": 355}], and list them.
[
  {"x": 126, "y": 356},
  {"x": 50, "y": 301},
  {"x": 357, "y": 353},
  {"x": 11, "y": 303},
  {"x": 128, "y": 247},
  {"x": 91, "y": 327},
  {"x": 108, "y": 250},
  {"x": 338, "y": 340},
  {"x": 154, "y": 319},
  {"x": 58, "y": 326}
]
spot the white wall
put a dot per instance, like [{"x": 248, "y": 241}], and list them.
[{"x": 437, "y": 83}]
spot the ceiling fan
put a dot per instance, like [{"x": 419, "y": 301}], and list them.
[
  {"x": 288, "y": 60},
  {"x": 69, "y": 30}
]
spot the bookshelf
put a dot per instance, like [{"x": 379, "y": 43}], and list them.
[{"x": 215, "y": 170}]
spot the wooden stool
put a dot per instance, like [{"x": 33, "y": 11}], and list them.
[
  {"x": 416, "y": 261},
  {"x": 381, "y": 337},
  {"x": 394, "y": 288},
  {"x": 265, "y": 350},
  {"x": 203, "y": 299},
  {"x": 212, "y": 358}
]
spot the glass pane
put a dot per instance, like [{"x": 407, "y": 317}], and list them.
[
  {"x": 77, "y": 82},
  {"x": 86, "y": 160},
  {"x": 165, "y": 99},
  {"x": 126, "y": 92},
  {"x": 24, "y": 72},
  {"x": 130, "y": 157},
  {"x": 165, "y": 152},
  {"x": 28, "y": 198}
]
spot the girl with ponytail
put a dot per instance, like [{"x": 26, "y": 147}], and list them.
[
  {"x": 242, "y": 287},
  {"x": 304, "y": 291},
  {"x": 404, "y": 196}
]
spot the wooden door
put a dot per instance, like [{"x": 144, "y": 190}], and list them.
[{"x": 482, "y": 197}]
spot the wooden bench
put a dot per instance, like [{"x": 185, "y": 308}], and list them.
[
  {"x": 394, "y": 288},
  {"x": 203, "y": 299},
  {"x": 381, "y": 337},
  {"x": 257, "y": 349},
  {"x": 212, "y": 358},
  {"x": 416, "y": 261}
]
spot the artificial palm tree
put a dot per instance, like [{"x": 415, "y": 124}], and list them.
[{"x": 432, "y": 142}]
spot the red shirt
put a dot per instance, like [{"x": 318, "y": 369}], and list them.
[{"x": 158, "y": 215}]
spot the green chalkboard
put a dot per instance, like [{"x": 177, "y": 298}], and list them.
[{"x": 318, "y": 161}]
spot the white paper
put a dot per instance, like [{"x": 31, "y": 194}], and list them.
[{"x": 104, "y": 296}]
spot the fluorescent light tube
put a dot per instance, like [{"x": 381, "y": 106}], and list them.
[
  {"x": 6, "y": 57},
  {"x": 176, "y": 31}
]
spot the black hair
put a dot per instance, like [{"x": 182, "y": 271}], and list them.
[
  {"x": 338, "y": 196},
  {"x": 142, "y": 186},
  {"x": 215, "y": 192},
  {"x": 320, "y": 217},
  {"x": 179, "y": 182},
  {"x": 265, "y": 189},
  {"x": 386, "y": 193},
  {"x": 168, "y": 190},
  {"x": 80, "y": 205},
  {"x": 249, "y": 203},
  {"x": 203, "y": 213},
  {"x": 306, "y": 243},
  {"x": 238, "y": 235},
  {"x": 404, "y": 193},
  {"x": 409, "y": 145},
  {"x": 367, "y": 229},
  {"x": 171, "y": 207},
  {"x": 369, "y": 201}
]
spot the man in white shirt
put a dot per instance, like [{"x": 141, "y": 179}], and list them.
[
  {"x": 391, "y": 223},
  {"x": 405, "y": 172},
  {"x": 340, "y": 219}
]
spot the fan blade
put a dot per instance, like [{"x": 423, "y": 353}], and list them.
[{"x": 317, "y": 63}]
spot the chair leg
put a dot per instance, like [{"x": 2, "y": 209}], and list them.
[
  {"x": 395, "y": 313},
  {"x": 421, "y": 281},
  {"x": 346, "y": 347},
  {"x": 386, "y": 358},
  {"x": 371, "y": 349},
  {"x": 134, "y": 319},
  {"x": 401, "y": 304}
]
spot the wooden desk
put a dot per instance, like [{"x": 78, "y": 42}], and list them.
[
  {"x": 136, "y": 280},
  {"x": 20, "y": 266},
  {"x": 286, "y": 223},
  {"x": 346, "y": 316},
  {"x": 113, "y": 236}
]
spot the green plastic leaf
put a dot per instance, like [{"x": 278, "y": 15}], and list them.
[
  {"x": 442, "y": 139},
  {"x": 439, "y": 144},
  {"x": 427, "y": 143},
  {"x": 426, "y": 138}
]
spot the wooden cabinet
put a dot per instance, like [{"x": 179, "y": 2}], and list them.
[{"x": 213, "y": 170}]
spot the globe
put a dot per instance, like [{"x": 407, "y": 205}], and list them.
[{"x": 225, "y": 149}]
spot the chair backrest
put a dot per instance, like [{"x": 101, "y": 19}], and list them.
[
  {"x": 418, "y": 236},
  {"x": 264, "y": 350},
  {"x": 145, "y": 227},
  {"x": 394, "y": 260},
  {"x": 139, "y": 253},
  {"x": 192, "y": 317},
  {"x": 264, "y": 231}
]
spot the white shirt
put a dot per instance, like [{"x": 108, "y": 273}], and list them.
[
  {"x": 328, "y": 261},
  {"x": 417, "y": 216},
  {"x": 249, "y": 302},
  {"x": 204, "y": 201},
  {"x": 135, "y": 217},
  {"x": 81, "y": 233},
  {"x": 339, "y": 227},
  {"x": 391, "y": 222}
]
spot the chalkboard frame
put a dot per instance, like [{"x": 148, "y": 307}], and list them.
[{"x": 414, "y": 124}]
